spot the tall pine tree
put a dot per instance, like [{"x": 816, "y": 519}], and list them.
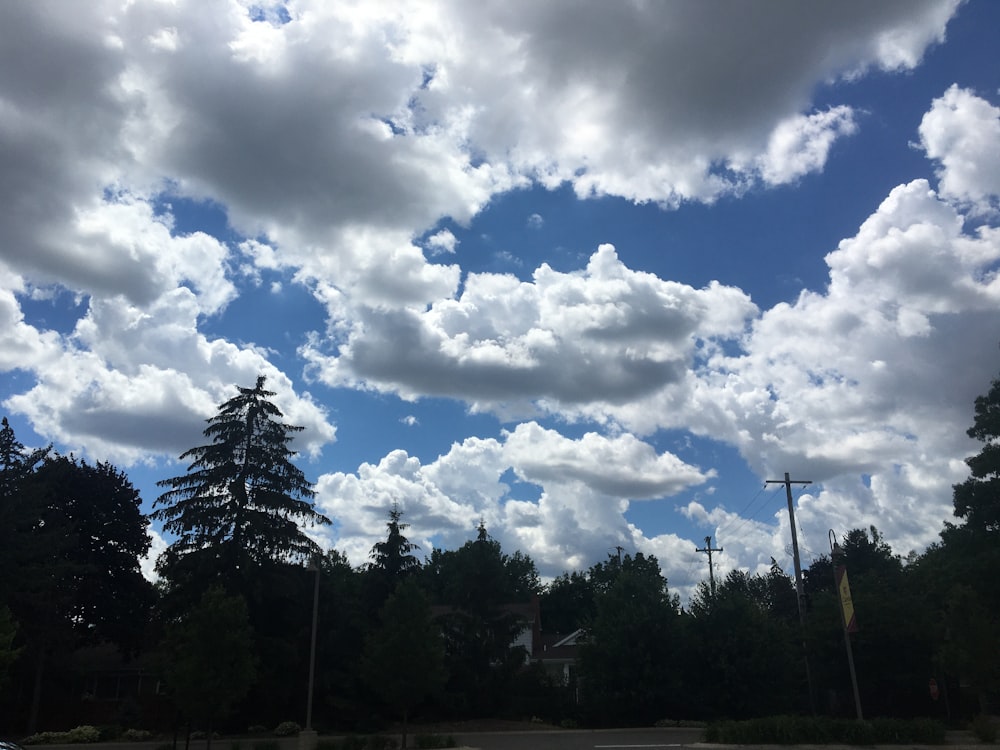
[{"x": 242, "y": 500}]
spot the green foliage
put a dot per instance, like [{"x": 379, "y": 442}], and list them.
[
  {"x": 78, "y": 735},
  {"x": 800, "y": 730},
  {"x": 735, "y": 637},
  {"x": 977, "y": 500},
  {"x": 627, "y": 662},
  {"x": 80, "y": 537},
  {"x": 403, "y": 661},
  {"x": 476, "y": 586},
  {"x": 209, "y": 662},
  {"x": 287, "y": 729}
]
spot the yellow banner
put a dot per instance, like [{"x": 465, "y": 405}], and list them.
[{"x": 846, "y": 605}]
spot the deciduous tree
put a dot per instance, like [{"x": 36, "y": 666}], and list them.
[
  {"x": 403, "y": 660},
  {"x": 208, "y": 658}
]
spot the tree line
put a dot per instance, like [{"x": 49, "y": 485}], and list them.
[{"x": 226, "y": 633}]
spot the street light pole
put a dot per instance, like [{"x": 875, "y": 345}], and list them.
[{"x": 307, "y": 738}]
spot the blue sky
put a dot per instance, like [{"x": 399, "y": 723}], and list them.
[{"x": 589, "y": 272}]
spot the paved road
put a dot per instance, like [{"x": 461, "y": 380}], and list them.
[{"x": 582, "y": 739}]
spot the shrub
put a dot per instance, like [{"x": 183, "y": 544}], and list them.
[
  {"x": 984, "y": 728},
  {"x": 257, "y": 729},
  {"x": 798, "y": 730},
  {"x": 137, "y": 735},
  {"x": 427, "y": 741},
  {"x": 287, "y": 729},
  {"x": 109, "y": 732},
  {"x": 83, "y": 733}
]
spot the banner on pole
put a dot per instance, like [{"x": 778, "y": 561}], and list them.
[{"x": 846, "y": 605}]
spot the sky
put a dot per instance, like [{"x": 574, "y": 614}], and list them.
[{"x": 590, "y": 273}]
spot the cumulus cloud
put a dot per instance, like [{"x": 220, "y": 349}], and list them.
[
  {"x": 442, "y": 242},
  {"x": 585, "y": 487},
  {"x": 801, "y": 144},
  {"x": 125, "y": 368},
  {"x": 334, "y": 137},
  {"x": 607, "y": 334},
  {"x": 961, "y": 132}
]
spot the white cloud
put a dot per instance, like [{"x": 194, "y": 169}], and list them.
[
  {"x": 535, "y": 221},
  {"x": 962, "y": 133},
  {"x": 336, "y": 137},
  {"x": 605, "y": 334},
  {"x": 801, "y": 144},
  {"x": 585, "y": 484},
  {"x": 442, "y": 242},
  {"x": 125, "y": 368}
]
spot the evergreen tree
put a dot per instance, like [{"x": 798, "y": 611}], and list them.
[
  {"x": 17, "y": 516},
  {"x": 242, "y": 499},
  {"x": 394, "y": 556}
]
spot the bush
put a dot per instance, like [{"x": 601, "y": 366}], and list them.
[
  {"x": 137, "y": 735},
  {"x": 984, "y": 729},
  {"x": 287, "y": 729},
  {"x": 427, "y": 741},
  {"x": 799, "y": 730},
  {"x": 84, "y": 733},
  {"x": 81, "y": 734}
]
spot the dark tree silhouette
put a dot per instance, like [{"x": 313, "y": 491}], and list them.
[
  {"x": 242, "y": 500},
  {"x": 208, "y": 658},
  {"x": 394, "y": 556},
  {"x": 403, "y": 660}
]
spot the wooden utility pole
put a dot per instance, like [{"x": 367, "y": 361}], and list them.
[
  {"x": 799, "y": 590},
  {"x": 711, "y": 573}
]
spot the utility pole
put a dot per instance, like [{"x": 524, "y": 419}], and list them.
[
  {"x": 708, "y": 548},
  {"x": 799, "y": 591}
]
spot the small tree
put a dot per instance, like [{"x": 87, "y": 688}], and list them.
[
  {"x": 394, "y": 556},
  {"x": 403, "y": 660},
  {"x": 209, "y": 663}
]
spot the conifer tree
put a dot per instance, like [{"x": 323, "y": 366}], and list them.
[
  {"x": 394, "y": 556},
  {"x": 242, "y": 500}
]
